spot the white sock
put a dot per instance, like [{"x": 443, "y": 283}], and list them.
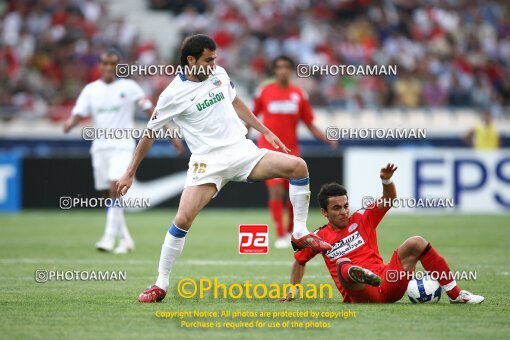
[
  {"x": 171, "y": 249},
  {"x": 112, "y": 226},
  {"x": 299, "y": 194},
  {"x": 449, "y": 286},
  {"x": 123, "y": 232}
]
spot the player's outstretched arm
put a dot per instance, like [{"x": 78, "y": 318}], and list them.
[
  {"x": 320, "y": 135},
  {"x": 249, "y": 118},
  {"x": 176, "y": 142},
  {"x": 389, "y": 188},
  {"x": 296, "y": 276},
  {"x": 125, "y": 182},
  {"x": 178, "y": 145},
  {"x": 71, "y": 122}
]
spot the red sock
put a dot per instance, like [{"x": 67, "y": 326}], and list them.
[
  {"x": 344, "y": 271},
  {"x": 290, "y": 214},
  {"x": 276, "y": 208},
  {"x": 433, "y": 262}
]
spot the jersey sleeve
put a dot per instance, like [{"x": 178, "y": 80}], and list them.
[
  {"x": 305, "y": 109},
  {"x": 232, "y": 92},
  {"x": 82, "y": 107},
  {"x": 166, "y": 110},
  {"x": 140, "y": 98},
  {"x": 373, "y": 216},
  {"x": 304, "y": 255},
  {"x": 257, "y": 103}
]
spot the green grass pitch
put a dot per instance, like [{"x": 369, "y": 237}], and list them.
[{"x": 64, "y": 240}]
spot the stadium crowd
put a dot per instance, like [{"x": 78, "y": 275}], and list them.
[
  {"x": 451, "y": 53},
  {"x": 49, "y": 49}
]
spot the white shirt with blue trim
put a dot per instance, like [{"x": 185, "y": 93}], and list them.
[{"x": 203, "y": 110}]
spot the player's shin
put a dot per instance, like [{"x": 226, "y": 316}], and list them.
[
  {"x": 126, "y": 243},
  {"x": 112, "y": 228},
  {"x": 123, "y": 230},
  {"x": 299, "y": 194},
  {"x": 171, "y": 249},
  {"x": 433, "y": 262},
  {"x": 107, "y": 241},
  {"x": 343, "y": 271}
]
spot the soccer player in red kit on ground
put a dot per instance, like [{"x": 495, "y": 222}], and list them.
[
  {"x": 355, "y": 263},
  {"x": 282, "y": 106}
]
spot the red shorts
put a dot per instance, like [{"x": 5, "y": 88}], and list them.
[{"x": 392, "y": 288}]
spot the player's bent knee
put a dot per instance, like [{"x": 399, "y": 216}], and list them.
[
  {"x": 183, "y": 221},
  {"x": 299, "y": 168},
  {"x": 410, "y": 251},
  {"x": 416, "y": 243}
]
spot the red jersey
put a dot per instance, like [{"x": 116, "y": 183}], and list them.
[
  {"x": 282, "y": 108},
  {"x": 357, "y": 242}
]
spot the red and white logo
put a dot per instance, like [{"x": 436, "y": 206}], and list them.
[{"x": 253, "y": 239}]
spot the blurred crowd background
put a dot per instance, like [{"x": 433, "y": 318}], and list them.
[{"x": 449, "y": 53}]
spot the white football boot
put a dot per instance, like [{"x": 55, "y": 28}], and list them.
[
  {"x": 283, "y": 242},
  {"x": 105, "y": 244},
  {"x": 467, "y": 297},
  {"x": 124, "y": 246}
]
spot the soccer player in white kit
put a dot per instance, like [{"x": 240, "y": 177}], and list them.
[
  {"x": 204, "y": 104},
  {"x": 111, "y": 102}
]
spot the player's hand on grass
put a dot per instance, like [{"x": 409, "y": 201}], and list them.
[
  {"x": 275, "y": 142},
  {"x": 288, "y": 298},
  {"x": 123, "y": 184},
  {"x": 387, "y": 172}
]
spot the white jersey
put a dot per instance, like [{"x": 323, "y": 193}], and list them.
[
  {"x": 203, "y": 110},
  {"x": 112, "y": 106}
]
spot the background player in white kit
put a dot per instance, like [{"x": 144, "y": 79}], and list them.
[
  {"x": 205, "y": 106},
  {"x": 111, "y": 102}
]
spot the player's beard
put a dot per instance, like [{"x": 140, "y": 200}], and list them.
[{"x": 202, "y": 77}]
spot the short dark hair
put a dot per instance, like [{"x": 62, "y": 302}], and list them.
[
  {"x": 111, "y": 52},
  {"x": 194, "y": 46},
  {"x": 330, "y": 190},
  {"x": 283, "y": 58}
]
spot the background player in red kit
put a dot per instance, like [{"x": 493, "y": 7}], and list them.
[
  {"x": 282, "y": 106},
  {"x": 354, "y": 261}
]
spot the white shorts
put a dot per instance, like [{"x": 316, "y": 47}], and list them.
[
  {"x": 230, "y": 163},
  {"x": 109, "y": 165}
]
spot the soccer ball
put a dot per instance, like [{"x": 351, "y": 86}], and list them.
[{"x": 424, "y": 290}]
